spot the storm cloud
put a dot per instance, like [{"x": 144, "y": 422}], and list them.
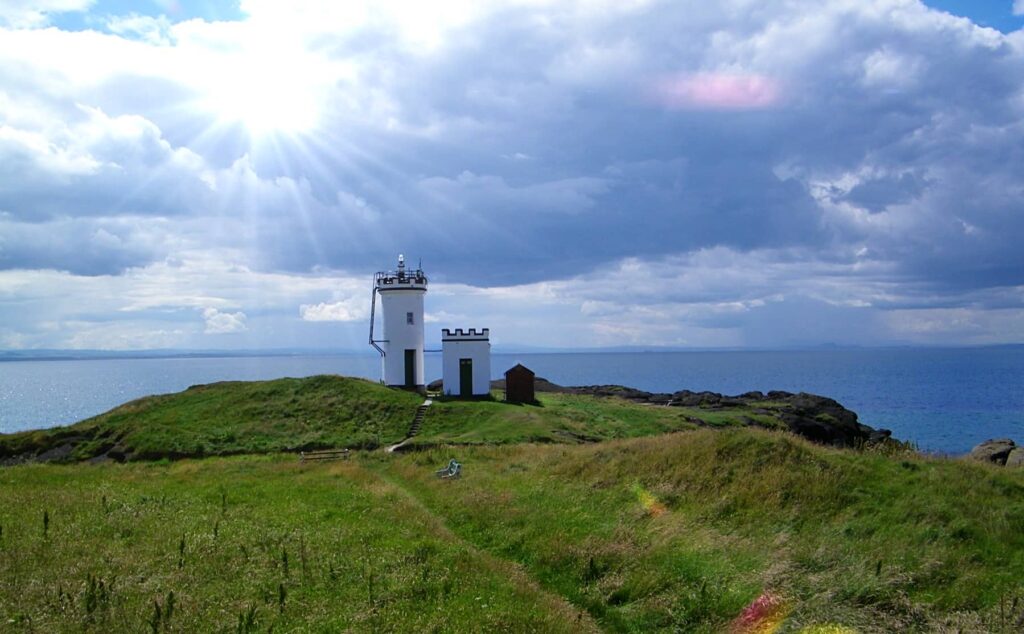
[{"x": 654, "y": 173}]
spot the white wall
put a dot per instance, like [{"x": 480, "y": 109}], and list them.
[
  {"x": 395, "y": 304},
  {"x": 479, "y": 352}
]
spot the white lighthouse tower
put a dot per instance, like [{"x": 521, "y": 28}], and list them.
[{"x": 401, "y": 303}]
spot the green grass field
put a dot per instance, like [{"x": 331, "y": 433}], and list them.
[
  {"x": 245, "y": 544},
  {"x": 679, "y": 519},
  {"x": 558, "y": 418},
  {"x": 683, "y": 531},
  {"x": 677, "y": 532}
]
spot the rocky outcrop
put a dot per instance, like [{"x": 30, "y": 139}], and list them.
[
  {"x": 817, "y": 418},
  {"x": 996, "y": 451},
  {"x": 1016, "y": 457},
  {"x": 824, "y": 420}
]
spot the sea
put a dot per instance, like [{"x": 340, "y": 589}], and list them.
[{"x": 943, "y": 400}]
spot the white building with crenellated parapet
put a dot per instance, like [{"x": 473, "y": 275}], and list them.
[{"x": 466, "y": 362}]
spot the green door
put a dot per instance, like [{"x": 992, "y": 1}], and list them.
[
  {"x": 410, "y": 368},
  {"x": 465, "y": 377}
]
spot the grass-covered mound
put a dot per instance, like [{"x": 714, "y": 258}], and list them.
[
  {"x": 332, "y": 411},
  {"x": 604, "y": 412},
  {"x": 679, "y": 532},
  {"x": 556, "y": 418},
  {"x": 231, "y": 418},
  {"x": 682, "y": 532}
]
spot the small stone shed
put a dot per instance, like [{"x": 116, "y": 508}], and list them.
[{"x": 519, "y": 384}]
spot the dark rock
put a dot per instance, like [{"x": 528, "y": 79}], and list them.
[
  {"x": 56, "y": 454},
  {"x": 686, "y": 398},
  {"x": 822, "y": 408},
  {"x": 778, "y": 395},
  {"x": 879, "y": 435},
  {"x": 752, "y": 396},
  {"x": 824, "y": 420},
  {"x": 818, "y": 431},
  {"x": 628, "y": 393},
  {"x": 118, "y": 453},
  {"x": 995, "y": 450}
]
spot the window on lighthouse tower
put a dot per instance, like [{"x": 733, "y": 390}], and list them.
[{"x": 408, "y": 318}]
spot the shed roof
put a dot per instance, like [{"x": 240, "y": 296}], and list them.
[{"x": 519, "y": 368}]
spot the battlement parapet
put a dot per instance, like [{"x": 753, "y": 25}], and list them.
[{"x": 469, "y": 334}]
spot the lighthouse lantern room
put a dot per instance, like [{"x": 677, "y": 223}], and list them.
[{"x": 401, "y": 304}]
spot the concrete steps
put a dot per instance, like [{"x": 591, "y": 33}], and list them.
[{"x": 417, "y": 420}]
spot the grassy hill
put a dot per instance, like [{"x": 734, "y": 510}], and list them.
[
  {"x": 691, "y": 531},
  {"x": 331, "y": 411},
  {"x": 683, "y": 531},
  {"x": 559, "y": 418},
  {"x": 680, "y": 519},
  {"x": 231, "y": 418}
]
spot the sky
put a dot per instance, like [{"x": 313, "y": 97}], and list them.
[{"x": 601, "y": 173}]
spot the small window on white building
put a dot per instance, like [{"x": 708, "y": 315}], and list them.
[{"x": 408, "y": 319}]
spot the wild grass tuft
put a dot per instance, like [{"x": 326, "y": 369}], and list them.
[{"x": 247, "y": 621}]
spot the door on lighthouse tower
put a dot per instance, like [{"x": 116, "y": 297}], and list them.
[
  {"x": 465, "y": 377},
  {"x": 410, "y": 368}
]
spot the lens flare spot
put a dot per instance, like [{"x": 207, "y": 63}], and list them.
[
  {"x": 763, "y": 616},
  {"x": 650, "y": 503},
  {"x": 717, "y": 91}
]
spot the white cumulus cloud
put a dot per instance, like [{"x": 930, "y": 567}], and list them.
[
  {"x": 675, "y": 172},
  {"x": 347, "y": 310},
  {"x": 218, "y": 323}
]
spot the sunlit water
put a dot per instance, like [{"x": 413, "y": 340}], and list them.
[{"x": 944, "y": 400}]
